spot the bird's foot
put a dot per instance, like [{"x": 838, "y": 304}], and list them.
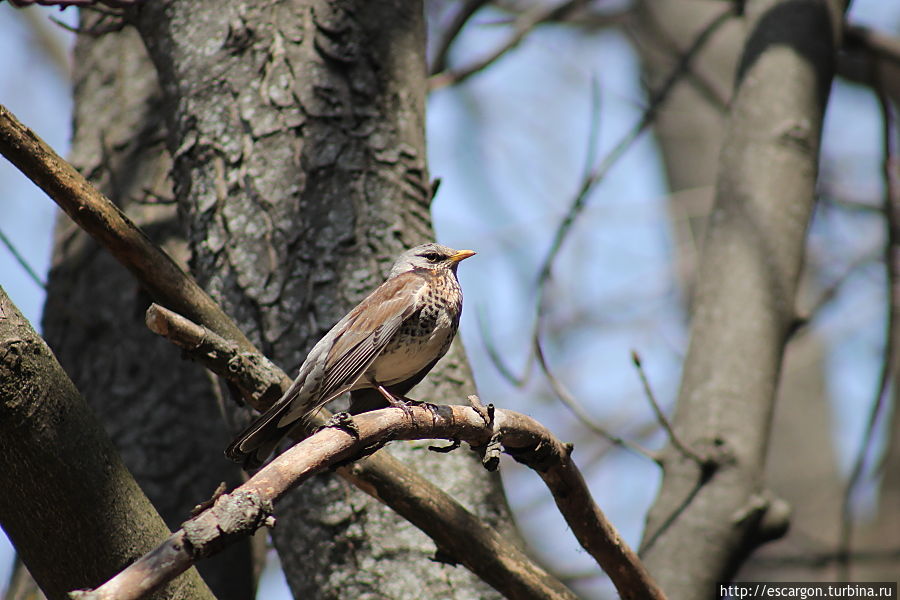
[
  {"x": 400, "y": 402},
  {"x": 431, "y": 408},
  {"x": 405, "y": 404}
]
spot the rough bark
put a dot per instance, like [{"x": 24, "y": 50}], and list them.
[
  {"x": 800, "y": 468},
  {"x": 298, "y": 137},
  {"x": 744, "y": 303},
  {"x": 60, "y": 473},
  {"x": 160, "y": 410}
]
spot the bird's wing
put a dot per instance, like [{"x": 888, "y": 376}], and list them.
[
  {"x": 356, "y": 341},
  {"x": 372, "y": 325},
  {"x": 337, "y": 361}
]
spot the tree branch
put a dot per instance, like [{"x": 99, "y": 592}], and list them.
[
  {"x": 432, "y": 510},
  {"x": 888, "y": 366},
  {"x": 65, "y": 487},
  {"x": 381, "y": 476},
  {"x": 462, "y": 16},
  {"x": 745, "y": 297},
  {"x": 103, "y": 220},
  {"x": 249, "y": 507},
  {"x": 522, "y": 26}
]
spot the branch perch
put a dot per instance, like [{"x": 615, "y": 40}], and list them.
[
  {"x": 383, "y": 477},
  {"x": 249, "y": 506},
  {"x": 524, "y": 439}
]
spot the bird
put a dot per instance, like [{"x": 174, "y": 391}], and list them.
[{"x": 386, "y": 345}]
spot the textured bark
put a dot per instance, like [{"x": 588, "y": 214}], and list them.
[
  {"x": 298, "y": 135},
  {"x": 800, "y": 466},
  {"x": 744, "y": 305},
  {"x": 159, "y": 409},
  {"x": 73, "y": 511}
]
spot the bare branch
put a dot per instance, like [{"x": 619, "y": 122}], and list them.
[
  {"x": 661, "y": 417},
  {"x": 416, "y": 499},
  {"x": 21, "y": 260},
  {"x": 381, "y": 476},
  {"x": 745, "y": 298},
  {"x": 497, "y": 359},
  {"x": 255, "y": 375},
  {"x": 566, "y": 397},
  {"x": 103, "y": 220},
  {"x": 522, "y": 26},
  {"x": 599, "y": 172},
  {"x": 469, "y": 8},
  {"x": 871, "y": 58},
  {"x": 892, "y": 269},
  {"x": 248, "y": 507}
]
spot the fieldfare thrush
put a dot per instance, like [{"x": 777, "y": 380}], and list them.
[{"x": 386, "y": 345}]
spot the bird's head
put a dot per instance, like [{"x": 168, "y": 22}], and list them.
[{"x": 430, "y": 256}]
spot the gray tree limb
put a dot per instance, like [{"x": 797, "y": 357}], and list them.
[{"x": 744, "y": 305}]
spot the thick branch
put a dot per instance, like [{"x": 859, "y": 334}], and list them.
[
  {"x": 525, "y": 439},
  {"x": 745, "y": 299},
  {"x": 423, "y": 504},
  {"x": 71, "y": 508},
  {"x": 382, "y": 476},
  {"x": 96, "y": 214}
]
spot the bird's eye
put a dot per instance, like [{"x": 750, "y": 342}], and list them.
[{"x": 432, "y": 257}]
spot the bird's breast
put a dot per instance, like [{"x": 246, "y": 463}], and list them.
[{"x": 421, "y": 339}]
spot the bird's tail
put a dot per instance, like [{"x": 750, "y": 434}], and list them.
[{"x": 254, "y": 445}]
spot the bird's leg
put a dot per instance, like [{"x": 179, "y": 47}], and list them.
[
  {"x": 404, "y": 402},
  {"x": 396, "y": 402}
]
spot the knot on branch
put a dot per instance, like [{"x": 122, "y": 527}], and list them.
[
  {"x": 257, "y": 376},
  {"x": 767, "y": 516},
  {"x": 233, "y": 515}
]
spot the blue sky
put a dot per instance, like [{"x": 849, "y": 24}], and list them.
[{"x": 510, "y": 146}]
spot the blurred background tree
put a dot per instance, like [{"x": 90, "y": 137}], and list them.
[{"x": 512, "y": 141}]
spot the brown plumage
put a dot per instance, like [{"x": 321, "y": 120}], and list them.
[{"x": 388, "y": 343}]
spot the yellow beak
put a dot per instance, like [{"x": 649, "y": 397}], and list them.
[{"x": 462, "y": 255}]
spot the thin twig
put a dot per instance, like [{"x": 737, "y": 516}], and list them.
[
  {"x": 469, "y": 8},
  {"x": 892, "y": 269},
  {"x": 656, "y": 101},
  {"x": 523, "y": 438},
  {"x": 832, "y": 290},
  {"x": 660, "y": 416},
  {"x": 569, "y": 400},
  {"x": 21, "y": 260},
  {"x": 497, "y": 358},
  {"x": 522, "y": 26},
  {"x": 705, "y": 84}
]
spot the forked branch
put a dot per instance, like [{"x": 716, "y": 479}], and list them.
[{"x": 249, "y": 506}]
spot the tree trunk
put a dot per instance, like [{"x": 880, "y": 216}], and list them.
[
  {"x": 298, "y": 135},
  {"x": 800, "y": 468},
  {"x": 73, "y": 511},
  {"x": 744, "y": 306},
  {"x": 160, "y": 409}
]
